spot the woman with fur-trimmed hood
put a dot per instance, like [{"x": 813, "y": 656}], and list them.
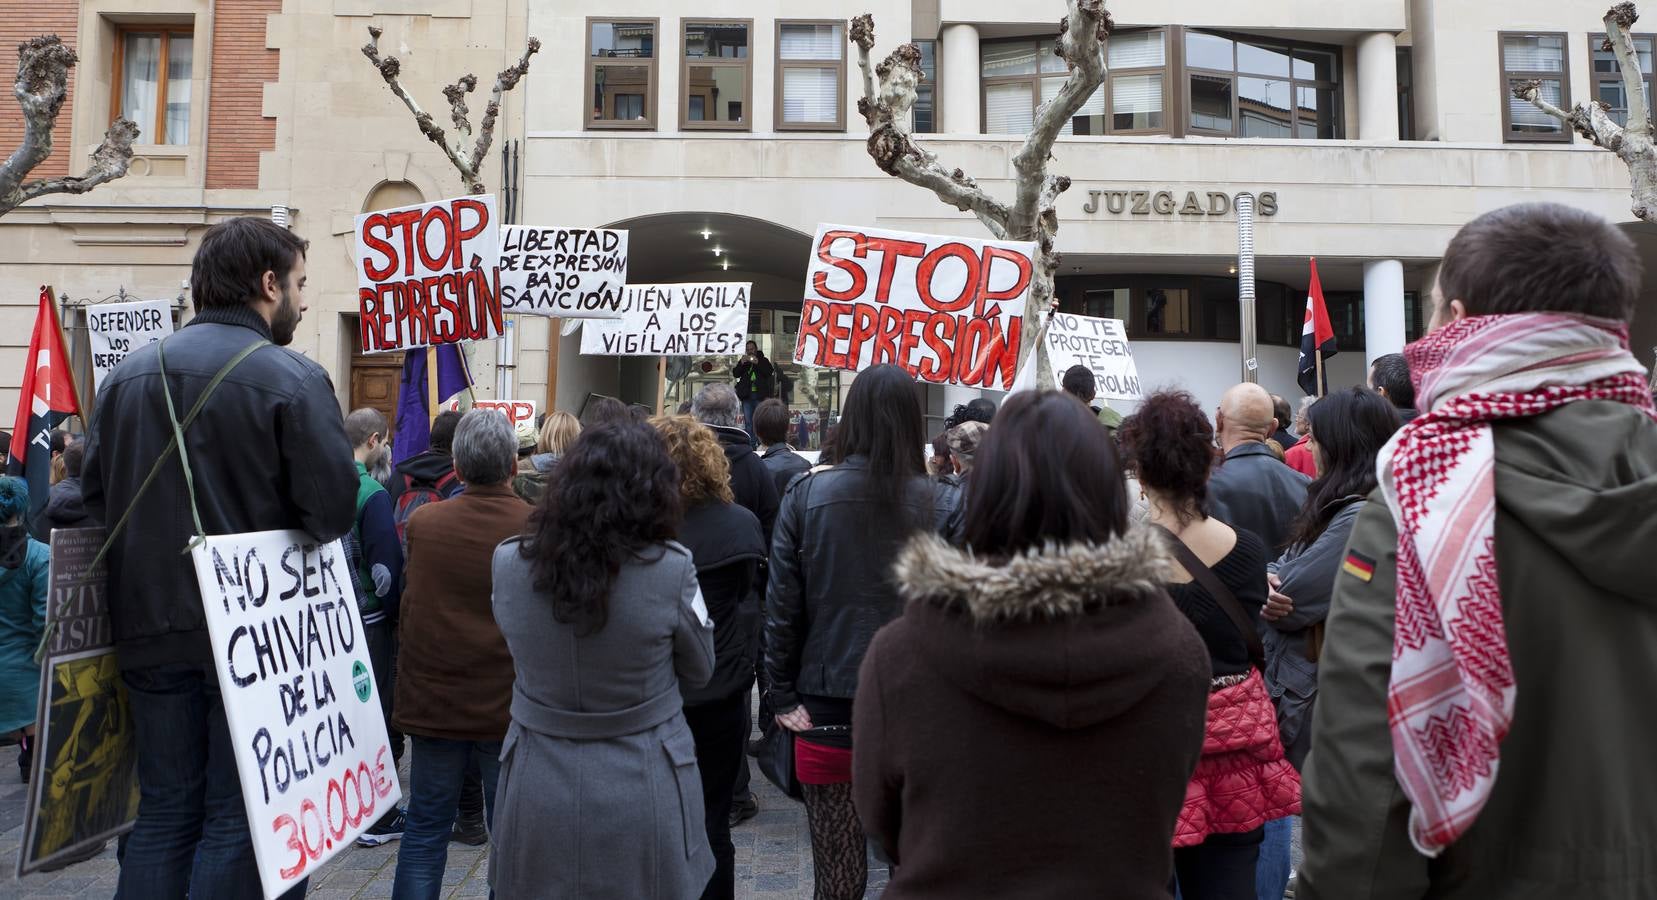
[{"x": 1027, "y": 727}]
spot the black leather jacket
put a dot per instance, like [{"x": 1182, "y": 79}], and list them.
[
  {"x": 268, "y": 452},
  {"x": 831, "y": 586}
]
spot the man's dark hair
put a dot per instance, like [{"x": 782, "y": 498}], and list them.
[
  {"x": 771, "y": 421},
  {"x": 1541, "y": 257},
  {"x": 1078, "y": 382},
  {"x": 230, "y": 266},
  {"x": 443, "y": 429},
  {"x": 979, "y": 410},
  {"x": 59, "y": 439},
  {"x": 73, "y": 456},
  {"x": 1281, "y": 412},
  {"x": 363, "y": 424},
  {"x": 1044, "y": 474},
  {"x": 604, "y": 411},
  {"x": 1391, "y": 373}
]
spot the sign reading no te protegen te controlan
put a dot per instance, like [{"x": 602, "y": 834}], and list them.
[{"x": 1146, "y": 202}]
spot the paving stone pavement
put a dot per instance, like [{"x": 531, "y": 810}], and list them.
[{"x": 773, "y": 858}]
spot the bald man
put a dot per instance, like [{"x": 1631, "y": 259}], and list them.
[{"x": 1250, "y": 489}]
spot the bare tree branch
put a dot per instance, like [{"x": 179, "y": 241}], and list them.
[
  {"x": 467, "y": 162},
  {"x": 886, "y": 109},
  {"x": 888, "y": 94},
  {"x": 1632, "y": 142},
  {"x": 43, "y": 65}
]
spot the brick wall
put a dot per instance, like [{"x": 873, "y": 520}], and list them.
[
  {"x": 21, "y": 22},
  {"x": 241, "y": 66}
]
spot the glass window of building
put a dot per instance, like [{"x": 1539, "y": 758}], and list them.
[
  {"x": 152, "y": 83},
  {"x": 621, "y": 73},
  {"x": 926, "y": 93},
  {"x": 1248, "y": 87},
  {"x": 1020, "y": 75},
  {"x": 1608, "y": 84},
  {"x": 1545, "y": 59},
  {"x": 811, "y": 76},
  {"x": 714, "y": 75}
]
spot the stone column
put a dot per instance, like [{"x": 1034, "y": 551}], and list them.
[
  {"x": 1378, "y": 87},
  {"x": 958, "y": 67},
  {"x": 1383, "y": 308}
]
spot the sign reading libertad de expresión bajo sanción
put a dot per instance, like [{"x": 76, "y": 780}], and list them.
[{"x": 947, "y": 309}]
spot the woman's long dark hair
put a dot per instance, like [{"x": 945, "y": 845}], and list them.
[
  {"x": 1047, "y": 472},
  {"x": 1349, "y": 427},
  {"x": 615, "y": 493},
  {"x": 882, "y": 421}
]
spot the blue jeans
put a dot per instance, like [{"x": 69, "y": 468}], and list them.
[
  {"x": 1271, "y": 878},
  {"x": 435, "y": 774},
  {"x": 748, "y": 407},
  {"x": 192, "y": 835}
]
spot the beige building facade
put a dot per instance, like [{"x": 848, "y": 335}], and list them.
[
  {"x": 721, "y": 132},
  {"x": 1368, "y": 132},
  {"x": 267, "y": 108}
]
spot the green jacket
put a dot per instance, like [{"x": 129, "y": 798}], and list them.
[{"x": 1573, "y": 813}]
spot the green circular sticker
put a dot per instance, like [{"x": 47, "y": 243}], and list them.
[{"x": 361, "y": 680}]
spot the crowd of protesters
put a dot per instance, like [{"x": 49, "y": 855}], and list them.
[{"x": 1062, "y": 654}]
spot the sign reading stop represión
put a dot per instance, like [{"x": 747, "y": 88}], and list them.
[{"x": 949, "y": 310}]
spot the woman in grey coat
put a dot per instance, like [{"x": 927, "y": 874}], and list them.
[
  {"x": 1348, "y": 429},
  {"x": 599, "y": 792}
]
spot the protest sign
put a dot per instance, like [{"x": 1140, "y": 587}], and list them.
[
  {"x": 673, "y": 320},
  {"x": 1101, "y": 345},
  {"x": 947, "y": 309},
  {"x": 427, "y": 274},
  {"x": 567, "y": 272},
  {"x": 305, "y": 721},
  {"x": 116, "y": 329},
  {"x": 515, "y": 410},
  {"x": 83, "y": 789}
]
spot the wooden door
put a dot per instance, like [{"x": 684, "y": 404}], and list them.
[{"x": 374, "y": 384}]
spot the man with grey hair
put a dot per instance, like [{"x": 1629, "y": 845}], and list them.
[
  {"x": 454, "y": 679},
  {"x": 1298, "y": 456},
  {"x": 717, "y": 407}
]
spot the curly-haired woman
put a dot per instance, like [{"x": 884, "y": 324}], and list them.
[
  {"x": 726, "y": 546},
  {"x": 599, "y": 790},
  {"x": 1243, "y": 780}
]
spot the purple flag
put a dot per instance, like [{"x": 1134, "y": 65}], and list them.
[{"x": 421, "y": 391}]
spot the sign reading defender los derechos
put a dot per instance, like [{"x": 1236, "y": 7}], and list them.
[
  {"x": 427, "y": 274},
  {"x": 115, "y": 329},
  {"x": 83, "y": 788},
  {"x": 305, "y": 722},
  {"x": 947, "y": 309}
]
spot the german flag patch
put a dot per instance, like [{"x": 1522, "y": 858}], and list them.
[{"x": 1359, "y": 566}]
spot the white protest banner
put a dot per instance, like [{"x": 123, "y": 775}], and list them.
[
  {"x": 516, "y": 411},
  {"x": 950, "y": 310},
  {"x": 427, "y": 274},
  {"x": 566, "y": 272},
  {"x": 116, "y": 329},
  {"x": 305, "y": 720},
  {"x": 1101, "y": 345},
  {"x": 673, "y": 320}
]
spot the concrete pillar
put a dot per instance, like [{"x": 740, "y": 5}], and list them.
[
  {"x": 958, "y": 80},
  {"x": 1383, "y": 308},
  {"x": 1378, "y": 87}
]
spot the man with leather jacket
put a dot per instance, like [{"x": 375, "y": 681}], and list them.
[{"x": 268, "y": 451}]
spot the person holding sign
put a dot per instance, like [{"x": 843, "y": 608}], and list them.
[
  {"x": 600, "y": 792},
  {"x": 454, "y": 673},
  {"x": 289, "y": 467}
]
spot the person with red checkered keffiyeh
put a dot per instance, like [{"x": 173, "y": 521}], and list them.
[{"x": 1484, "y": 726}]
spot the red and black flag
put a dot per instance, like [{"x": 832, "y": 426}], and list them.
[
  {"x": 1317, "y": 340},
  {"x": 47, "y": 399}
]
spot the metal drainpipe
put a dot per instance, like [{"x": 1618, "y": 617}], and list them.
[{"x": 1245, "y": 286}]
